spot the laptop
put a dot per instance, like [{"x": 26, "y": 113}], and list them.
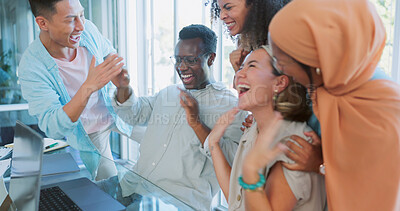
[{"x": 25, "y": 191}]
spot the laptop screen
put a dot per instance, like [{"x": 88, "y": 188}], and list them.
[{"x": 26, "y": 168}]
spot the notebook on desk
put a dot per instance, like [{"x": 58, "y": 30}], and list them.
[
  {"x": 25, "y": 191},
  {"x": 48, "y": 146}
]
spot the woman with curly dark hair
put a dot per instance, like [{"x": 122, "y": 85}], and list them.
[{"x": 247, "y": 22}]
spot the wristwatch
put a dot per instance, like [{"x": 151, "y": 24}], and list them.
[{"x": 322, "y": 169}]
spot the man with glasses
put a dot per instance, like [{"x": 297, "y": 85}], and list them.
[{"x": 173, "y": 151}]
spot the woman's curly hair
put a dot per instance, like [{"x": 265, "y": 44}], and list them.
[{"x": 255, "y": 29}]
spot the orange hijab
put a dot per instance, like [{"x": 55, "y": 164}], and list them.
[{"x": 360, "y": 118}]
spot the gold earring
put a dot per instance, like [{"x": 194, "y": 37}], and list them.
[
  {"x": 318, "y": 71},
  {"x": 275, "y": 97}
]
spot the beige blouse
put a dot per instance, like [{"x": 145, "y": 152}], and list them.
[{"x": 307, "y": 187}]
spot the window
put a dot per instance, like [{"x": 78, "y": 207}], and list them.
[
  {"x": 156, "y": 24},
  {"x": 16, "y": 32},
  {"x": 386, "y": 10}
]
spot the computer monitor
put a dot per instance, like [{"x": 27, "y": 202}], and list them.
[{"x": 26, "y": 168}]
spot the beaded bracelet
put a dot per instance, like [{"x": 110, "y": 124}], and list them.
[{"x": 252, "y": 187}]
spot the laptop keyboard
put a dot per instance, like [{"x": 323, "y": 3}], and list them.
[{"x": 55, "y": 199}]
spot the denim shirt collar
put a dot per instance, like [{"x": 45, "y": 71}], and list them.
[{"x": 41, "y": 51}]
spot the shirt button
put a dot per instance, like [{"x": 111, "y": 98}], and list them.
[
  {"x": 239, "y": 197},
  {"x": 165, "y": 145},
  {"x": 153, "y": 164}
]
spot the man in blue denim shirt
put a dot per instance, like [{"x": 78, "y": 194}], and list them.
[{"x": 65, "y": 80}]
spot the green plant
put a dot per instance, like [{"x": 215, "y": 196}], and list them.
[
  {"x": 9, "y": 87},
  {"x": 5, "y": 68}
]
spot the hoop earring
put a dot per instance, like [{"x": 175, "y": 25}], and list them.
[{"x": 318, "y": 71}]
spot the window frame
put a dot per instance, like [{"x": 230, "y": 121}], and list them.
[{"x": 396, "y": 46}]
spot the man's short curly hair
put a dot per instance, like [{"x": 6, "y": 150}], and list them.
[
  {"x": 203, "y": 32},
  {"x": 260, "y": 14}
]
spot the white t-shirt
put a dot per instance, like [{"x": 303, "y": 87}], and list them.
[{"x": 95, "y": 117}]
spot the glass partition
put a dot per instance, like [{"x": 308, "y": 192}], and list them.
[{"x": 146, "y": 196}]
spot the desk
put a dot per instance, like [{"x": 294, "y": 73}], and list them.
[{"x": 151, "y": 196}]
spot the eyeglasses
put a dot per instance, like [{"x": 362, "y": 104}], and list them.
[{"x": 188, "y": 60}]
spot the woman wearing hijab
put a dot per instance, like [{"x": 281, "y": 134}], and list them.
[{"x": 333, "y": 47}]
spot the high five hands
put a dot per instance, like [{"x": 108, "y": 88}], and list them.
[{"x": 100, "y": 75}]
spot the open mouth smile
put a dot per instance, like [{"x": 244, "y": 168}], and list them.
[
  {"x": 75, "y": 38},
  {"x": 230, "y": 25},
  {"x": 187, "y": 78},
  {"x": 242, "y": 89}
]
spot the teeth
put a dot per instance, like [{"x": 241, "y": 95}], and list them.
[
  {"x": 230, "y": 24},
  {"x": 243, "y": 86},
  {"x": 186, "y": 76},
  {"x": 75, "y": 36}
]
